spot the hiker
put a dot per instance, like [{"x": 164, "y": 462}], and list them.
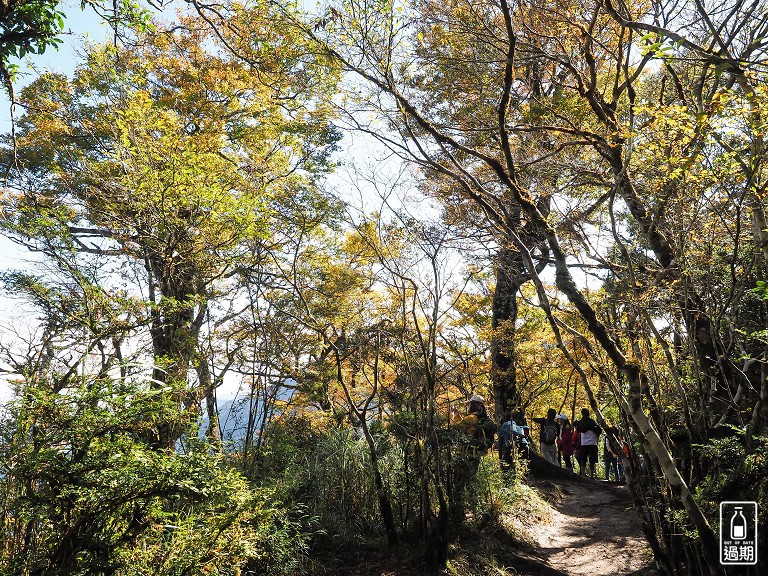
[
  {"x": 576, "y": 441},
  {"x": 610, "y": 458},
  {"x": 623, "y": 456},
  {"x": 505, "y": 441},
  {"x": 589, "y": 431},
  {"x": 643, "y": 472},
  {"x": 519, "y": 419},
  {"x": 548, "y": 436},
  {"x": 512, "y": 439},
  {"x": 478, "y": 426},
  {"x": 481, "y": 431},
  {"x": 562, "y": 420},
  {"x": 620, "y": 468},
  {"x": 520, "y": 435},
  {"x": 566, "y": 444}
]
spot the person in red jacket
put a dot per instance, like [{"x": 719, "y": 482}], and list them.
[
  {"x": 576, "y": 442},
  {"x": 566, "y": 445}
]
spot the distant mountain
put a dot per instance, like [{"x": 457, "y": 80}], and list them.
[
  {"x": 233, "y": 419},
  {"x": 233, "y": 413}
]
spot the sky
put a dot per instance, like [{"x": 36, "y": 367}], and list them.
[{"x": 79, "y": 25}]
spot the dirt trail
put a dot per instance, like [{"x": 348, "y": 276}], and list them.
[{"x": 593, "y": 531}]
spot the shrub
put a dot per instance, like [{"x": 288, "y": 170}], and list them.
[{"x": 83, "y": 493}]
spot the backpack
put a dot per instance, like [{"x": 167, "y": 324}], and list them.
[
  {"x": 549, "y": 433},
  {"x": 485, "y": 433},
  {"x": 505, "y": 434}
]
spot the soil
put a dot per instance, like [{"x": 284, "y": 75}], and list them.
[{"x": 592, "y": 530}]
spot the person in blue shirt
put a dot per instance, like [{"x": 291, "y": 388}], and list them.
[{"x": 513, "y": 436}]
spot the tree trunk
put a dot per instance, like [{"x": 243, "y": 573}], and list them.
[
  {"x": 510, "y": 275},
  {"x": 385, "y": 505},
  {"x": 176, "y": 317},
  {"x": 710, "y": 543},
  {"x": 760, "y": 236},
  {"x": 212, "y": 410}
]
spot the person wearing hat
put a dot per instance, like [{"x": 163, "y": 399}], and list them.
[
  {"x": 481, "y": 431},
  {"x": 475, "y": 403},
  {"x": 478, "y": 425}
]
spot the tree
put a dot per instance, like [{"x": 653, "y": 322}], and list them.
[
  {"x": 28, "y": 27},
  {"x": 164, "y": 160},
  {"x": 573, "y": 76},
  {"x": 83, "y": 492}
]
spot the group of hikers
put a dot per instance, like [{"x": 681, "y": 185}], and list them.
[{"x": 561, "y": 442}]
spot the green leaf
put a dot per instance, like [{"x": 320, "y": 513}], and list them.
[{"x": 761, "y": 289}]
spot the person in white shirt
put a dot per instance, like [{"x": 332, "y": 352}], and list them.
[{"x": 589, "y": 433}]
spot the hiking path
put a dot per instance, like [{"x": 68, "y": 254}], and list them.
[{"x": 592, "y": 530}]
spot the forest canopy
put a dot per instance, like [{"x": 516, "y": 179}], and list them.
[{"x": 359, "y": 217}]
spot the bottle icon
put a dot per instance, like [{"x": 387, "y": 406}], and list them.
[{"x": 738, "y": 525}]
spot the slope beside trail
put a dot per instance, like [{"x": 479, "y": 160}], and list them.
[{"x": 592, "y": 530}]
